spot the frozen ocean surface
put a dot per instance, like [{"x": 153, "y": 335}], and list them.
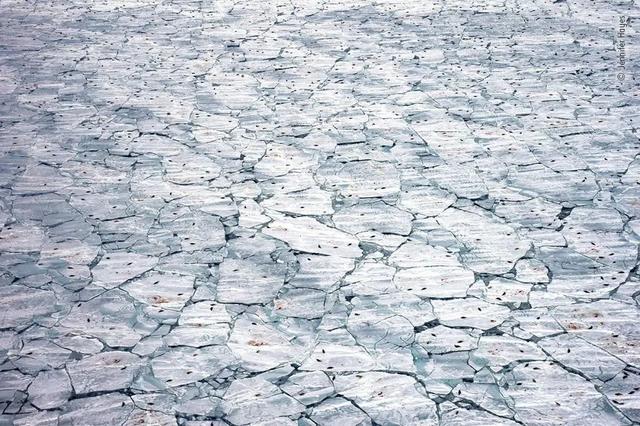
[{"x": 319, "y": 213}]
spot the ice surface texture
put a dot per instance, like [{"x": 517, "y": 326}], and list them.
[{"x": 317, "y": 212}]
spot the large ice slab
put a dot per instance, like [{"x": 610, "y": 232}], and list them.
[
  {"x": 310, "y": 236},
  {"x": 492, "y": 246},
  {"x": 244, "y": 281}
]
